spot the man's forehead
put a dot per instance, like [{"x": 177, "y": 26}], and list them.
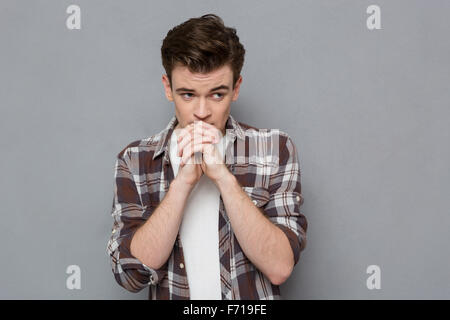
[{"x": 183, "y": 77}]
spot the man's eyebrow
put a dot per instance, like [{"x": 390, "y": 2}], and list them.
[{"x": 213, "y": 89}]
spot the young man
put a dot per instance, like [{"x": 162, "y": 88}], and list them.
[{"x": 191, "y": 227}]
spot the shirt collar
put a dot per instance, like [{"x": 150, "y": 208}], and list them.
[{"x": 232, "y": 130}]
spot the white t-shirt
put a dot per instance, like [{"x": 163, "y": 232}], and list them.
[{"x": 199, "y": 232}]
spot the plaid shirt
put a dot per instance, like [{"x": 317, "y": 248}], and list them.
[{"x": 143, "y": 174}]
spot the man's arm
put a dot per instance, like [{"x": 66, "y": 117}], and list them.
[
  {"x": 272, "y": 239},
  {"x": 262, "y": 242},
  {"x": 129, "y": 263},
  {"x": 153, "y": 242}
]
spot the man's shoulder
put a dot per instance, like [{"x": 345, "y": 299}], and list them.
[
  {"x": 253, "y": 131},
  {"x": 148, "y": 144},
  {"x": 271, "y": 145}
]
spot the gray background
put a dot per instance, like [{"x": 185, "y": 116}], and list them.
[{"x": 368, "y": 111}]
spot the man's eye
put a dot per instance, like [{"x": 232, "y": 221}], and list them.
[
  {"x": 184, "y": 95},
  {"x": 220, "y": 95}
]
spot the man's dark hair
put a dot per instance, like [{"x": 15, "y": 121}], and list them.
[{"x": 202, "y": 44}]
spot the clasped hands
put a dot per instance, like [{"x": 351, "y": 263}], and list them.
[{"x": 200, "y": 137}]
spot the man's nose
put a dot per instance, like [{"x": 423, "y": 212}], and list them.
[{"x": 202, "y": 112}]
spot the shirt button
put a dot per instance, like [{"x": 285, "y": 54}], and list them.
[
  {"x": 151, "y": 279},
  {"x": 181, "y": 265},
  {"x": 255, "y": 202}
]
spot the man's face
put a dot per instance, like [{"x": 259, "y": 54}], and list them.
[{"x": 202, "y": 96}]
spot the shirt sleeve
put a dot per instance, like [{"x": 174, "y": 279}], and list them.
[
  {"x": 128, "y": 215},
  {"x": 285, "y": 197}
]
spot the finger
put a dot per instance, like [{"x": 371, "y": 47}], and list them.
[
  {"x": 184, "y": 139},
  {"x": 207, "y": 125},
  {"x": 181, "y": 144},
  {"x": 181, "y": 133},
  {"x": 207, "y": 134},
  {"x": 201, "y": 125},
  {"x": 201, "y": 128},
  {"x": 192, "y": 139},
  {"x": 204, "y": 125},
  {"x": 190, "y": 149},
  {"x": 210, "y": 131}
]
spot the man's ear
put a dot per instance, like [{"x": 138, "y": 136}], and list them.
[
  {"x": 236, "y": 89},
  {"x": 167, "y": 88}
]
